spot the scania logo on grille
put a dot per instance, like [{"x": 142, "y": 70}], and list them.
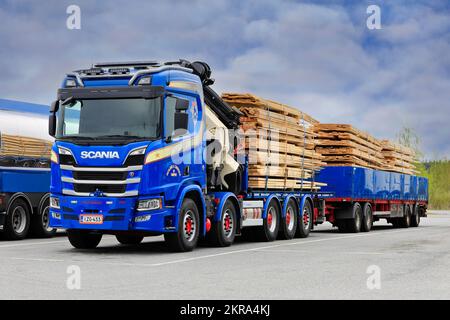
[{"x": 100, "y": 155}]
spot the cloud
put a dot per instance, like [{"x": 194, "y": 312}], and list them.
[{"x": 317, "y": 56}]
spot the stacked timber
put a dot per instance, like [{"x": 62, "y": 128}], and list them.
[
  {"x": 23, "y": 151},
  {"x": 344, "y": 145},
  {"x": 398, "y": 158},
  {"x": 279, "y": 142}
]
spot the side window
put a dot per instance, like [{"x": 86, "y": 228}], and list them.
[
  {"x": 170, "y": 119},
  {"x": 71, "y": 125}
]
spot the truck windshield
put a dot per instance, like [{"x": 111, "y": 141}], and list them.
[{"x": 110, "y": 118}]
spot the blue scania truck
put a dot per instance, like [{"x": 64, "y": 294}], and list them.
[
  {"x": 24, "y": 180},
  {"x": 146, "y": 148}
]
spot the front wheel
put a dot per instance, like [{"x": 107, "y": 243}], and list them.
[
  {"x": 82, "y": 239},
  {"x": 223, "y": 232},
  {"x": 186, "y": 238}
]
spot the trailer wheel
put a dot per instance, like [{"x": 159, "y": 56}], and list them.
[
  {"x": 367, "y": 221},
  {"x": 17, "y": 221},
  {"x": 354, "y": 224},
  {"x": 271, "y": 224},
  {"x": 405, "y": 221},
  {"x": 40, "y": 222},
  {"x": 289, "y": 223},
  {"x": 415, "y": 218},
  {"x": 129, "y": 239},
  {"x": 83, "y": 239},
  {"x": 223, "y": 232},
  {"x": 305, "y": 222},
  {"x": 186, "y": 238}
]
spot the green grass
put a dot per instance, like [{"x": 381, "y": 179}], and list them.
[{"x": 438, "y": 174}]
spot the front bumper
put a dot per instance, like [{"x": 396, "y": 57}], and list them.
[{"x": 119, "y": 214}]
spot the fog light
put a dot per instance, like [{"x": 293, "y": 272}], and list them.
[
  {"x": 149, "y": 204},
  {"x": 56, "y": 215},
  {"x": 54, "y": 203}
]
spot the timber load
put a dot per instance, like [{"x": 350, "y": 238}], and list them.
[{"x": 279, "y": 142}]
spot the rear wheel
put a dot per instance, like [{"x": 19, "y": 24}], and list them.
[
  {"x": 129, "y": 239},
  {"x": 40, "y": 222},
  {"x": 305, "y": 222},
  {"x": 354, "y": 224},
  {"x": 17, "y": 221},
  {"x": 289, "y": 223},
  {"x": 223, "y": 232},
  {"x": 405, "y": 221},
  {"x": 186, "y": 238},
  {"x": 367, "y": 221},
  {"x": 83, "y": 239},
  {"x": 271, "y": 224},
  {"x": 415, "y": 219}
]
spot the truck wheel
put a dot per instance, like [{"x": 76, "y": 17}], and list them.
[
  {"x": 222, "y": 232},
  {"x": 342, "y": 225},
  {"x": 82, "y": 239},
  {"x": 405, "y": 221},
  {"x": 129, "y": 239},
  {"x": 415, "y": 218},
  {"x": 367, "y": 221},
  {"x": 305, "y": 223},
  {"x": 186, "y": 238},
  {"x": 40, "y": 222},
  {"x": 289, "y": 223},
  {"x": 17, "y": 221},
  {"x": 354, "y": 224},
  {"x": 271, "y": 224}
]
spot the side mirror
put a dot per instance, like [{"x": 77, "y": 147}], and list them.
[
  {"x": 52, "y": 125},
  {"x": 181, "y": 105},
  {"x": 54, "y": 106}
]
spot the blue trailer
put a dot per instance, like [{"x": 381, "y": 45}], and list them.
[
  {"x": 24, "y": 182},
  {"x": 362, "y": 196}
]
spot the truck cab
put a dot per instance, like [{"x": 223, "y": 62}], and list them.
[{"x": 128, "y": 154}]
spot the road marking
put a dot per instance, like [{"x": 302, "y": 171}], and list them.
[
  {"x": 302, "y": 242},
  {"x": 25, "y": 244},
  {"x": 256, "y": 249}
]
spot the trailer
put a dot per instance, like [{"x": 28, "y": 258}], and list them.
[
  {"x": 362, "y": 196},
  {"x": 24, "y": 180}
]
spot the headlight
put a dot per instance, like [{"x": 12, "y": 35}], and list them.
[
  {"x": 64, "y": 151},
  {"x": 149, "y": 204},
  {"x": 138, "y": 152},
  {"x": 54, "y": 203},
  {"x": 54, "y": 157}
]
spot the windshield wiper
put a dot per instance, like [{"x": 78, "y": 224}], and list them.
[
  {"x": 122, "y": 136},
  {"x": 78, "y": 137}
]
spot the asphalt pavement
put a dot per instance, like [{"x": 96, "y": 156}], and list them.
[{"x": 386, "y": 263}]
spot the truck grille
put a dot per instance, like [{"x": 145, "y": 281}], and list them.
[
  {"x": 106, "y": 188},
  {"x": 92, "y": 175}
]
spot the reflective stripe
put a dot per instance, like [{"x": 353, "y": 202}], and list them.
[
  {"x": 87, "y": 194},
  {"x": 101, "y": 169},
  {"x": 128, "y": 181}
]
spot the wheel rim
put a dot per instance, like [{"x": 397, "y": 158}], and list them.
[
  {"x": 19, "y": 219},
  {"x": 189, "y": 225},
  {"x": 271, "y": 219},
  {"x": 45, "y": 218},
  {"x": 227, "y": 223},
  {"x": 290, "y": 218},
  {"x": 306, "y": 219}
]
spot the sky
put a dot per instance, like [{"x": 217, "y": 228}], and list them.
[{"x": 318, "y": 56}]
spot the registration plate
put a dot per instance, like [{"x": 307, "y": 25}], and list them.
[{"x": 91, "y": 219}]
